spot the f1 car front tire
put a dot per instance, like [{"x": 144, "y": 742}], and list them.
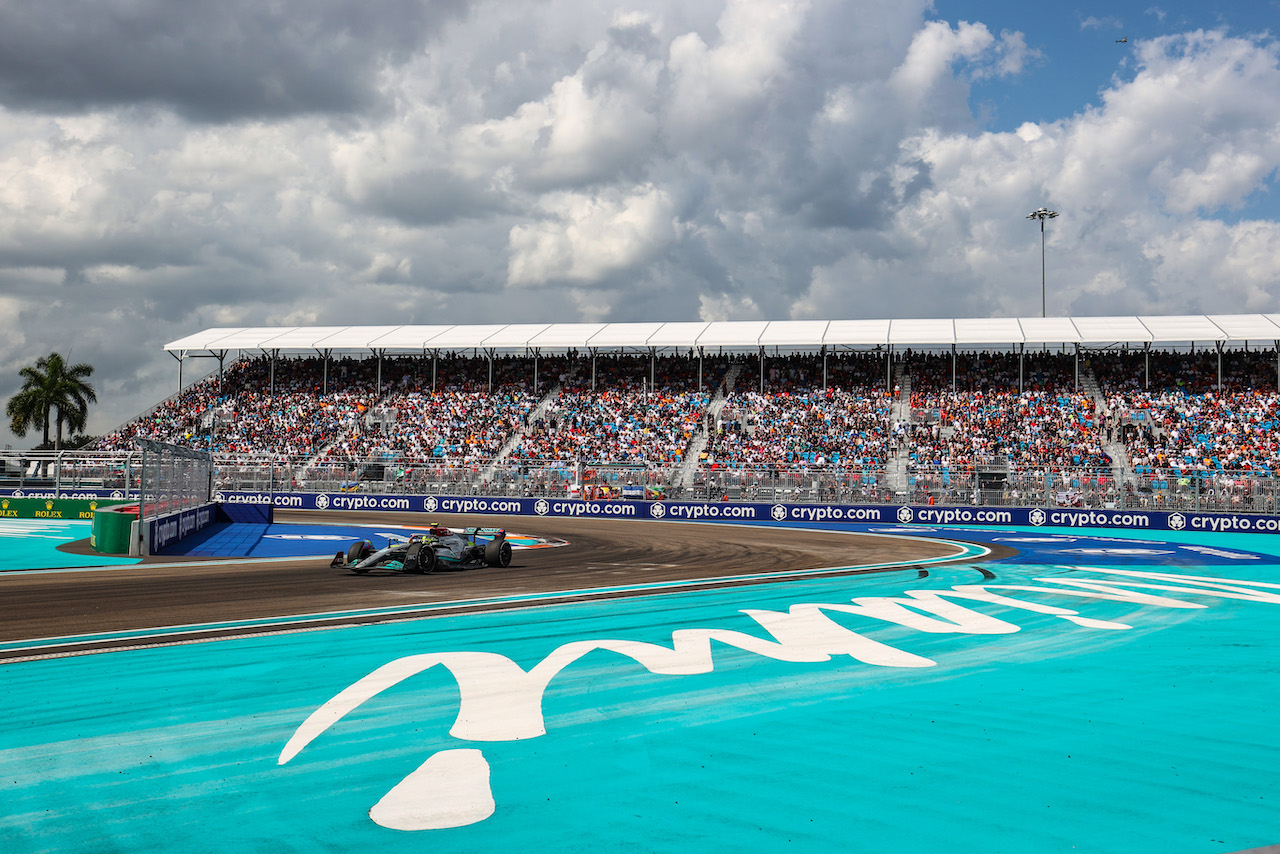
[
  {"x": 359, "y": 550},
  {"x": 420, "y": 559}
]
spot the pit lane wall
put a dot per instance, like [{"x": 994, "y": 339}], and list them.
[{"x": 766, "y": 513}]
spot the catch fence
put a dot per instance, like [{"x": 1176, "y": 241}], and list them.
[{"x": 67, "y": 473}]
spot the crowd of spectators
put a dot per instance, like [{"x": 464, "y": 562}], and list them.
[
  {"x": 1003, "y": 428},
  {"x": 615, "y": 426},
  {"x": 1185, "y": 422},
  {"x": 1194, "y": 426},
  {"x": 814, "y": 427},
  {"x": 293, "y": 407}
]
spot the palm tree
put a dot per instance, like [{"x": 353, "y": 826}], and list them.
[
  {"x": 25, "y": 411},
  {"x": 50, "y": 386}
]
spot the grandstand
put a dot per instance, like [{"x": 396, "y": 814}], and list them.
[{"x": 1153, "y": 412}]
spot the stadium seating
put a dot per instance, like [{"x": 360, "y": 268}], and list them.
[{"x": 994, "y": 426}]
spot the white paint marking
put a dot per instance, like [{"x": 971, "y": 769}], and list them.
[{"x": 450, "y": 789}]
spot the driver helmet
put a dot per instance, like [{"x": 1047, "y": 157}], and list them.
[{"x": 439, "y": 530}]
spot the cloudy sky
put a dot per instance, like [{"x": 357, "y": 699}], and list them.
[{"x": 171, "y": 166}]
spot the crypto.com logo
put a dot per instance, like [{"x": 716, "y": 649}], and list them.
[{"x": 501, "y": 701}]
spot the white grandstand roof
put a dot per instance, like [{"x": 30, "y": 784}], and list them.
[
  {"x": 853, "y": 333},
  {"x": 991, "y": 330},
  {"x": 1250, "y": 327},
  {"x": 1043, "y": 330},
  {"x": 678, "y": 334},
  {"x": 741, "y": 334},
  {"x": 566, "y": 335},
  {"x": 784, "y": 333},
  {"x": 404, "y": 337},
  {"x": 733, "y": 333}
]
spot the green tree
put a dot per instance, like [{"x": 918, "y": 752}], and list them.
[{"x": 53, "y": 393}]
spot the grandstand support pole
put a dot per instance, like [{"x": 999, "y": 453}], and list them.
[
  {"x": 222, "y": 355},
  {"x": 824, "y": 367},
  {"x": 378, "y": 393},
  {"x": 953, "y": 368},
  {"x": 1278, "y": 364},
  {"x": 324, "y": 383},
  {"x": 700, "y": 365},
  {"x": 275, "y": 354},
  {"x": 888, "y": 369},
  {"x": 1022, "y": 353},
  {"x": 435, "y": 359},
  {"x": 1146, "y": 371},
  {"x": 653, "y": 367},
  {"x": 593, "y": 369},
  {"x": 489, "y": 355},
  {"x": 1219, "y": 347},
  {"x": 179, "y": 355},
  {"x": 1077, "y": 366},
  {"x": 535, "y": 370},
  {"x": 762, "y": 370}
]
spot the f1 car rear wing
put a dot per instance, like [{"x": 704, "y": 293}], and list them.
[{"x": 491, "y": 533}]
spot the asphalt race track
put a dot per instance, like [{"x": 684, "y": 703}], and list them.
[{"x": 167, "y": 591}]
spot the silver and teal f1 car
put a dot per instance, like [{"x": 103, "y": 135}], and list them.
[{"x": 420, "y": 554}]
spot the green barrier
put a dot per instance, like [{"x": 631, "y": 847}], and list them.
[
  {"x": 112, "y": 527},
  {"x": 68, "y": 509}
]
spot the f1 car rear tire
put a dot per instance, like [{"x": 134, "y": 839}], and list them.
[
  {"x": 497, "y": 553},
  {"x": 420, "y": 559}
]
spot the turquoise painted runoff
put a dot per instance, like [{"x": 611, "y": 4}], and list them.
[
  {"x": 32, "y": 544},
  {"x": 1041, "y": 735}
]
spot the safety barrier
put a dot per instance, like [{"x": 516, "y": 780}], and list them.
[{"x": 775, "y": 512}]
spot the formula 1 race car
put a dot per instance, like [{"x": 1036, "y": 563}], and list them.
[{"x": 421, "y": 554}]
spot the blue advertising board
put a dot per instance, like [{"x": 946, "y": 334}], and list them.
[
  {"x": 169, "y": 529},
  {"x": 732, "y": 511},
  {"x": 781, "y": 512}
]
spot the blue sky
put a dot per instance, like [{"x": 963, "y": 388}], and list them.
[{"x": 1079, "y": 56}]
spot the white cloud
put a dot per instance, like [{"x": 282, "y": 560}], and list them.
[
  {"x": 587, "y": 238},
  {"x": 714, "y": 87}
]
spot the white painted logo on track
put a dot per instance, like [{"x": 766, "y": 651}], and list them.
[{"x": 501, "y": 701}]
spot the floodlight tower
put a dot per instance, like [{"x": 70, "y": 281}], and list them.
[{"x": 1042, "y": 214}]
